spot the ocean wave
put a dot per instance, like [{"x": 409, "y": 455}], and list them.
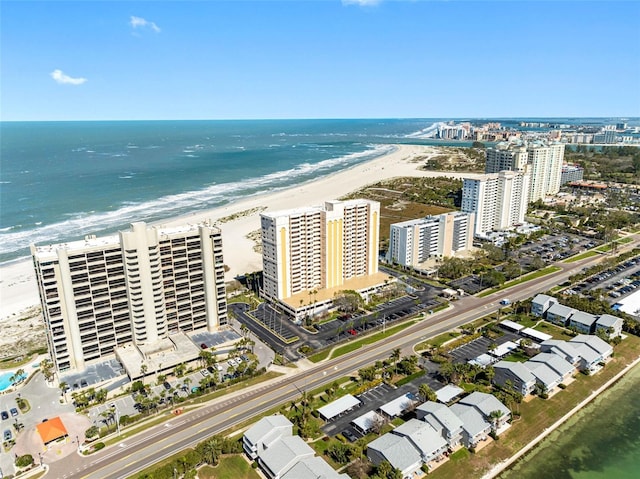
[
  {"x": 82, "y": 223},
  {"x": 427, "y": 132}
]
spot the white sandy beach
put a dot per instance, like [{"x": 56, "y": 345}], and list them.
[{"x": 18, "y": 290}]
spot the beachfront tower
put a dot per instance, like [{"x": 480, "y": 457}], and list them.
[
  {"x": 132, "y": 290},
  {"x": 499, "y": 200},
  {"x": 311, "y": 253}
]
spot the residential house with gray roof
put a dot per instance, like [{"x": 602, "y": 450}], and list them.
[
  {"x": 519, "y": 376},
  {"x": 545, "y": 376},
  {"x": 398, "y": 451},
  {"x": 443, "y": 420},
  {"x": 313, "y": 468},
  {"x": 264, "y": 433},
  {"x": 282, "y": 455},
  {"x": 486, "y": 404},
  {"x": 559, "y": 314},
  {"x": 611, "y": 325},
  {"x": 560, "y": 365},
  {"x": 541, "y": 303},
  {"x": 424, "y": 438},
  {"x": 582, "y": 322},
  {"x": 474, "y": 427},
  {"x": 604, "y": 349}
]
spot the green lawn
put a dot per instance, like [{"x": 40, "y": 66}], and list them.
[
  {"x": 357, "y": 344},
  {"x": 438, "y": 340},
  {"x": 517, "y": 357},
  {"x": 230, "y": 467},
  {"x": 581, "y": 256},
  {"x": 536, "y": 415},
  {"x": 521, "y": 279},
  {"x": 555, "y": 331}
]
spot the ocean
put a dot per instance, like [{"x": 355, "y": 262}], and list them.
[
  {"x": 602, "y": 441},
  {"x": 60, "y": 181}
]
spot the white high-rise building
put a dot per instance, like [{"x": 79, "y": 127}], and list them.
[
  {"x": 545, "y": 168},
  {"x": 131, "y": 289},
  {"x": 320, "y": 249},
  {"x": 542, "y": 161},
  {"x": 506, "y": 156},
  {"x": 499, "y": 200},
  {"x": 413, "y": 242}
]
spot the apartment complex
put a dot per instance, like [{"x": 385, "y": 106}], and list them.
[
  {"x": 133, "y": 289},
  {"x": 542, "y": 161},
  {"x": 499, "y": 200},
  {"x": 413, "y": 242},
  {"x": 320, "y": 249}
]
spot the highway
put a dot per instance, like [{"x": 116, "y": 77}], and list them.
[{"x": 132, "y": 455}]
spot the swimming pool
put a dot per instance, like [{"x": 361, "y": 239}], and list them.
[{"x": 5, "y": 382}]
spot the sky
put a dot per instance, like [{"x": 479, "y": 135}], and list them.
[{"x": 153, "y": 60}]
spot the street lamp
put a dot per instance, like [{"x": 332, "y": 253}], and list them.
[
  {"x": 40, "y": 456},
  {"x": 114, "y": 407}
]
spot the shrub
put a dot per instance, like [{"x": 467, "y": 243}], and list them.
[
  {"x": 97, "y": 446},
  {"x": 91, "y": 432},
  {"x": 24, "y": 461}
]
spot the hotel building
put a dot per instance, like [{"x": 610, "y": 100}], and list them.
[
  {"x": 131, "y": 290},
  {"x": 415, "y": 241},
  {"x": 319, "y": 251},
  {"x": 542, "y": 161},
  {"x": 498, "y": 200},
  {"x": 571, "y": 173}
]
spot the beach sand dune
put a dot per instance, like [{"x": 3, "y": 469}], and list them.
[{"x": 19, "y": 293}]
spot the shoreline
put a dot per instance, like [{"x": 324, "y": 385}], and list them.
[
  {"x": 501, "y": 467},
  {"x": 19, "y": 292}
]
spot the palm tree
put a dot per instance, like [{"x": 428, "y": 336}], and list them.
[
  {"x": 63, "y": 387},
  {"x": 426, "y": 393},
  {"x": 495, "y": 418},
  {"x": 212, "y": 449},
  {"x": 395, "y": 357},
  {"x": 143, "y": 370}
]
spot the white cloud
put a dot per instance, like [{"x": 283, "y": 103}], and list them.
[
  {"x": 62, "y": 79},
  {"x": 139, "y": 22},
  {"x": 362, "y": 3}
]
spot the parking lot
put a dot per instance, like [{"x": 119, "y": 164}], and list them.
[
  {"x": 480, "y": 346},
  {"x": 372, "y": 399},
  {"x": 619, "y": 282}
]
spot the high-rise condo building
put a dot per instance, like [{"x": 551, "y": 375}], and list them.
[
  {"x": 545, "y": 168},
  {"x": 130, "y": 290},
  {"x": 415, "y": 241},
  {"x": 506, "y": 156},
  {"x": 308, "y": 254},
  {"x": 542, "y": 161},
  {"x": 498, "y": 200}
]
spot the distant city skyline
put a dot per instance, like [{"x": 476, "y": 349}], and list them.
[{"x": 318, "y": 59}]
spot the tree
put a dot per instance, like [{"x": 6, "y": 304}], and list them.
[
  {"x": 24, "y": 461},
  {"x": 212, "y": 450},
  {"x": 91, "y": 432},
  {"x": 495, "y": 418},
  {"x": 385, "y": 470},
  {"x": 426, "y": 393},
  {"x": 46, "y": 367},
  {"x": 63, "y": 388},
  {"x": 143, "y": 370},
  {"x": 339, "y": 452},
  {"x": 395, "y": 357}
]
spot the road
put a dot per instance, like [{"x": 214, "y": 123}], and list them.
[{"x": 135, "y": 454}]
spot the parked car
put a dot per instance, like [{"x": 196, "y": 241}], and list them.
[
  {"x": 7, "y": 435},
  {"x": 5, "y": 415},
  {"x": 204, "y": 372},
  {"x": 352, "y": 332},
  {"x": 13, "y": 411},
  {"x": 349, "y": 436},
  {"x": 166, "y": 385}
]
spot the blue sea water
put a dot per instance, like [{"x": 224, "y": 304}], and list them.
[{"x": 62, "y": 180}]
